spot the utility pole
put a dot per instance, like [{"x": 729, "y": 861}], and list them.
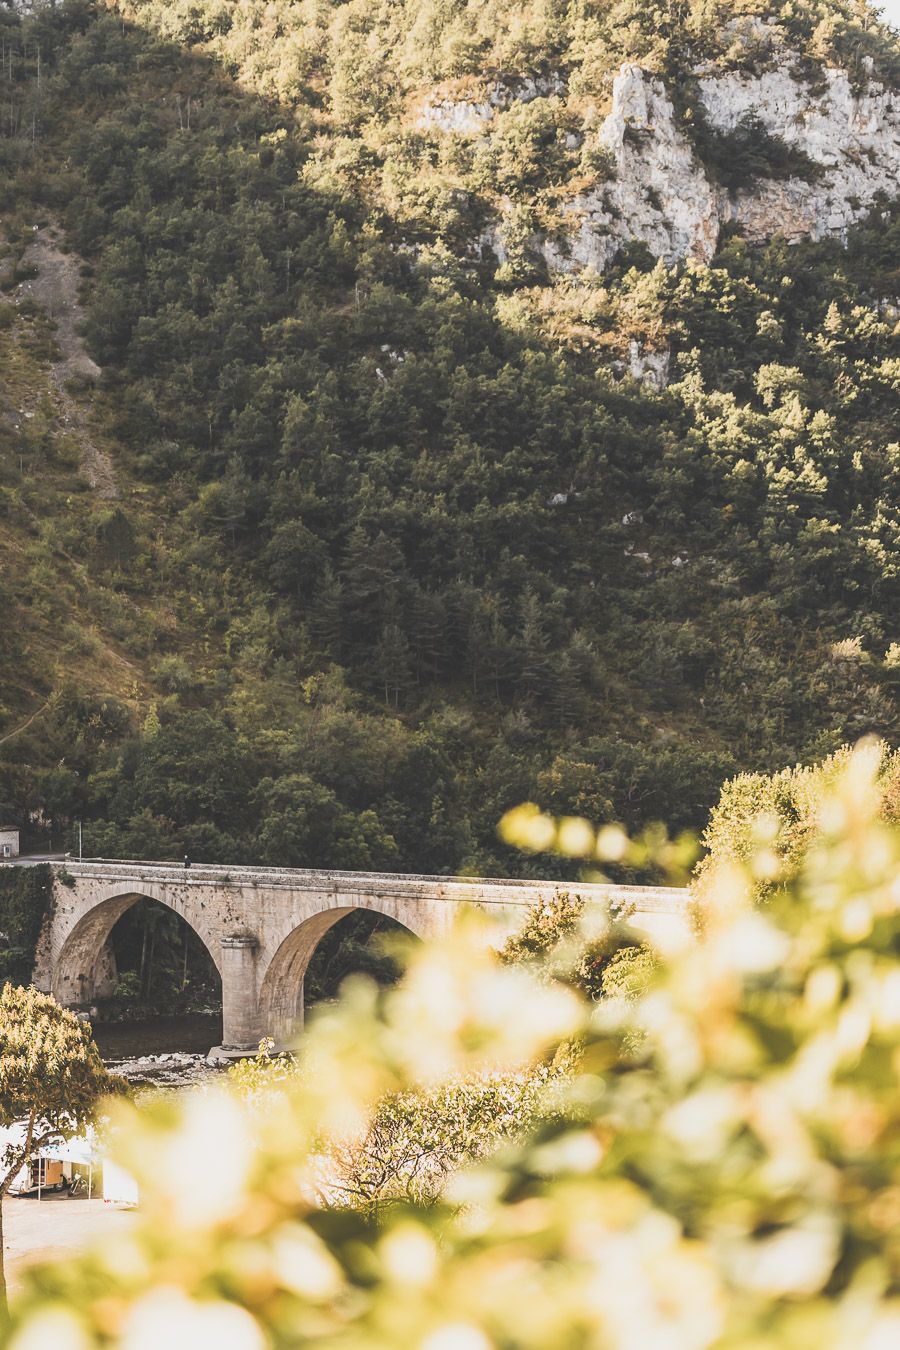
[{"x": 80, "y": 841}]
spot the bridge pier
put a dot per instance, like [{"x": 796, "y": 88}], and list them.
[{"x": 240, "y": 1020}]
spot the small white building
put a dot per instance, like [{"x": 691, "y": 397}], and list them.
[{"x": 9, "y": 842}]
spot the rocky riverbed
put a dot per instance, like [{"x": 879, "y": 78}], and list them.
[
  {"x": 174, "y": 1051},
  {"x": 173, "y": 1069}
]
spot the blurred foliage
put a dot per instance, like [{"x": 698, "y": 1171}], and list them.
[
  {"x": 720, "y": 1171},
  {"x": 416, "y": 1140},
  {"x": 554, "y": 944}
]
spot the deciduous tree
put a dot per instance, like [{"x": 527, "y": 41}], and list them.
[{"x": 51, "y": 1077}]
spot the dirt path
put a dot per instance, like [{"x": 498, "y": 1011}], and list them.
[
  {"x": 55, "y": 1228},
  {"x": 55, "y": 289},
  {"x": 23, "y": 726}
]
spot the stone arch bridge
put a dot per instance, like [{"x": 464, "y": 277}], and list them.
[{"x": 262, "y": 925}]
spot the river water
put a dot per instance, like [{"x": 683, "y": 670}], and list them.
[
  {"x": 192, "y": 1033},
  {"x": 162, "y": 1052}
]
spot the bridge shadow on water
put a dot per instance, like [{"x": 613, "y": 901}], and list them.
[{"x": 190, "y": 1033}]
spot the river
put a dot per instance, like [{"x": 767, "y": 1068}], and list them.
[{"x": 192, "y": 1033}]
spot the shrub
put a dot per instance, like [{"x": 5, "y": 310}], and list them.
[
  {"x": 771, "y": 820},
  {"x": 25, "y": 898},
  {"x": 749, "y": 151}
]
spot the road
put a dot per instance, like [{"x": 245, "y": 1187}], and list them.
[
  {"x": 29, "y": 859},
  {"x": 54, "y": 1228}
]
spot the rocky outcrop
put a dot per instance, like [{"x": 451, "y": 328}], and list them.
[
  {"x": 853, "y": 135},
  {"x": 660, "y": 194},
  {"x": 663, "y": 195},
  {"x": 54, "y": 285},
  {"x": 650, "y": 367},
  {"x": 445, "y": 110},
  {"x": 176, "y": 1070}
]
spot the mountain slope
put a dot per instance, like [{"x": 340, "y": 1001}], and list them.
[{"x": 419, "y": 515}]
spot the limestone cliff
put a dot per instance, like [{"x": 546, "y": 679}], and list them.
[{"x": 661, "y": 193}]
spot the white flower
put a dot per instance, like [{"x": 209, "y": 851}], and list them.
[
  {"x": 52, "y": 1329},
  {"x": 168, "y": 1320}
]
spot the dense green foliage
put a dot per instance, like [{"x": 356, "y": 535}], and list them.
[
  {"x": 749, "y": 151},
  {"x": 364, "y": 942},
  {"x": 162, "y": 967},
  {"x": 25, "y": 897},
  {"x": 394, "y": 529}
]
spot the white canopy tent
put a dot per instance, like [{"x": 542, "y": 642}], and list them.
[
  {"x": 80, "y": 1149},
  {"x": 119, "y": 1186}
]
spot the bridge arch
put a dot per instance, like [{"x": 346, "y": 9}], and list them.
[
  {"x": 75, "y": 964},
  {"x": 282, "y": 981}
]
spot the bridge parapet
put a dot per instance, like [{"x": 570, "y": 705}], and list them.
[{"x": 514, "y": 891}]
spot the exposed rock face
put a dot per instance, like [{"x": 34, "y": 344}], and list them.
[
  {"x": 661, "y": 193},
  {"x": 455, "y": 114},
  {"x": 445, "y": 111},
  {"x": 854, "y": 136},
  {"x": 663, "y": 196},
  {"x": 55, "y": 286},
  {"x": 651, "y": 367}
]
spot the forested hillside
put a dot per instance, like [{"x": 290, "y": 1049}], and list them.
[{"x": 405, "y": 524}]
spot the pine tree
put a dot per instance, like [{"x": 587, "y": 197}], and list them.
[
  {"x": 535, "y": 674},
  {"x": 391, "y": 663}
]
